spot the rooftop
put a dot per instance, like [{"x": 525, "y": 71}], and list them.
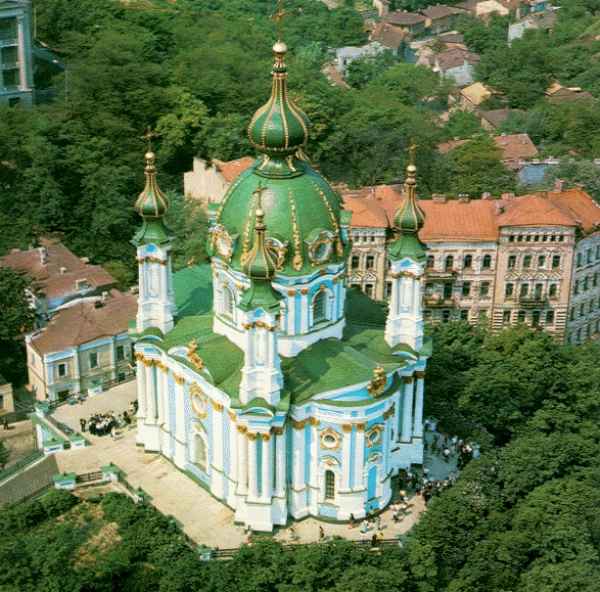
[
  {"x": 85, "y": 322},
  {"x": 496, "y": 117},
  {"x": 476, "y": 93},
  {"x": 455, "y": 57},
  {"x": 402, "y": 18},
  {"x": 55, "y": 270},
  {"x": 476, "y": 220},
  {"x": 439, "y": 11},
  {"x": 388, "y": 35},
  {"x": 232, "y": 168},
  {"x": 328, "y": 364},
  {"x": 515, "y": 147}
]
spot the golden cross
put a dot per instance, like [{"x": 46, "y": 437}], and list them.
[
  {"x": 258, "y": 194},
  {"x": 149, "y": 136},
  {"x": 278, "y": 17},
  {"x": 412, "y": 151}
]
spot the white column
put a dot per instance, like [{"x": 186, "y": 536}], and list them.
[
  {"x": 160, "y": 395},
  {"x": 291, "y": 312},
  {"x": 407, "y": 410},
  {"x": 151, "y": 395},
  {"x": 233, "y": 449},
  {"x": 267, "y": 467},
  {"x": 217, "y": 436},
  {"x": 140, "y": 378},
  {"x": 418, "y": 424},
  {"x": 280, "y": 459},
  {"x": 299, "y": 448},
  {"x": 22, "y": 58},
  {"x": 359, "y": 456},
  {"x": 180, "y": 410},
  {"x": 242, "y": 445},
  {"x": 386, "y": 445},
  {"x": 304, "y": 319},
  {"x": 397, "y": 405},
  {"x": 314, "y": 454},
  {"x": 346, "y": 460},
  {"x": 252, "y": 466}
]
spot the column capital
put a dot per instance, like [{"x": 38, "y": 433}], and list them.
[
  {"x": 252, "y": 436},
  {"x": 242, "y": 429},
  {"x": 216, "y": 406},
  {"x": 278, "y": 431},
  {"x": 347, "y": 428},
  {"x": 420, "y": 374},
  {"x": 407, "y": 379}
]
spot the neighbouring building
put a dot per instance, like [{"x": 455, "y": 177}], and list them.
[
  {"x": 208, "y": 181},
  {"x": 483, "y": 9},
  {"x": 83, "y": 349},
  {"x": 492, "y": 120},
  {"x": 59, "y": 277},
  {"x": 287, "y": 396},
  {"x": 557, "y": 93},
  {"x": 532, "y": 259},
  {"x": 457, "y": 64},
  {"x": 344, "y": 56},
  {"x": 440, "y": 18},
  {"x": 470, "y": 97},
  {"x": 16, "y": 61},
  {"x": 535, "y": 20},
  {"x": 517, "y": 149},
  {"x": 7, "y": 403},
  {"x": 388, "y": 36},
  {"x": 407, "y": 22}
]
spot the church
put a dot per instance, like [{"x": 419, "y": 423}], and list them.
[{"x": 292, "y": 396}]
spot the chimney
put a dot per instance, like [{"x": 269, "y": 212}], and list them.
[
  {"x": 104, "y": 297},
  {"x": 486, "y": 195},
  {"x": 463, "y": 198},
  {"x": 508, "y": 196},
  {"x": 559, "y": 185},
  {"x": 85, "y": 259},
  {"x": 438, "y": 198},
  {"x": 63, "y": 270},
  {"x": 43, "y": 255}
]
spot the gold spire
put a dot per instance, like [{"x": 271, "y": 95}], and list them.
[
  {"x": 409, "y": 217},
  {"x": 278, "y": 17},
  {"x": 152, "y": 202}
]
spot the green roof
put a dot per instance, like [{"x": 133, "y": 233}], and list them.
[{"x": 326, "y": 365}]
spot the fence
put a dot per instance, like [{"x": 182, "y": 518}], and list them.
[
  {"x": 20, "y": 464},
  {"x": 88, "y": 477}
]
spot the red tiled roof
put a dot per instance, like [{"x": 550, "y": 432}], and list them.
[
  {"x": 514, "y": 147},
  {"x": 58, "y": 275},
  {"x": 389, "y": 36},
  {"x": 83, "y": 322},
  {"x": 232, "y": 168},
  {"x": 454, "y": 58},
  {"x": 399, "y": 17},
  {"x": 440, "y": 11},
  {"x": 475, "y": 220}
]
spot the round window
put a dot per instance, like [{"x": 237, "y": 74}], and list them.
[{"x": 329, "y": 441}]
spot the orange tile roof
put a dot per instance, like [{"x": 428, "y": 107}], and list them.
[
  {"x": 58, "y": 275},
  {"x": 514, "y": 147},
  {"x": 83, "y": 323},
  {"x": 475, "y": 220},
  {"x": 232, "y": 168}
]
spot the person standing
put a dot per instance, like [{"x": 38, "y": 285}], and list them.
[
  {"x": 82, "y": 423},
  {"x": 321, "y": 534}
]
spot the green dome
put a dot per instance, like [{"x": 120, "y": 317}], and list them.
[
  {"x": 279, "y": 127},
  {"x": 409, "y": 217},
  {"x": 301, "y": 215},
  {"x": 301, "y": 211}
]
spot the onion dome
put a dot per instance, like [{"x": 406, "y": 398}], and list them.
[
  {"x": 301, "y": 212},
  {"x": 279, "y": 127},
  {"x": 409, "y": 219},
  {"x": 152, "y": 204}
]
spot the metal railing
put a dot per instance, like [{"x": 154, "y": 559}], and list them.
[{"x": 21, "y": 464}]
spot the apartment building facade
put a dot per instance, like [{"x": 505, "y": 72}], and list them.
[
  {"x": 532, "y": 259},
  {"x": 16, "y": 61}
]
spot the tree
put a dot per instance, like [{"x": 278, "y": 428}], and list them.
[
  {"x": 462, "y": 124},
  {"x": 583, "y": 173},
  {"x": 476, "y": 167},
  {"x": 363, "y": 70},
  {"x": 17, "y": 316}
]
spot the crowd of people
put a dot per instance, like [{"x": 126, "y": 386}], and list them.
[{"x": 102, "y": 424}]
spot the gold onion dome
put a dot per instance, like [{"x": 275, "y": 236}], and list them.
[
  {"x": 409, "y": 216},
  {"x": 152, "y": 202},
  {"x": 279, "y": 127}
]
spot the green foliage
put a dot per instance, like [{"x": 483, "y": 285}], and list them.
[
  {"x": 4, "y": 454},
  {"x": 362, "y": 71},
  {"x": 462, "y": 124},
  {"x": 17, "y": 316},
  {"x": 575, "y": 173}
]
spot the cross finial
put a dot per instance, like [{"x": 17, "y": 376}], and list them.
[
  {"x": 258, "y": 194},
  {"x": 149, "y": 136},
  {"x": 278, "y": 17},
  {"x": 412, "y": 151}
]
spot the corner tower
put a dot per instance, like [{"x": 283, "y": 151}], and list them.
[
  {"x": 305, "y": 231},
  {"x": 404, "y": 323},
  {"x": 156, "y": 302}
]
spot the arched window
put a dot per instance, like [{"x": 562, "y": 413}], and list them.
[
  {"x": 449, "y": 263},
  {"x": 468, "y": 261},
  {"x": 200, "y": 453},
  {"x": 329, "y": 485},
  {"x": 487, "y": 261},
  {"x": 227, "y": 302},
  {"x": 320, "y": 307}
]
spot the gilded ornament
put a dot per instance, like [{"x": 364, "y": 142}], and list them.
[
  {"x": 216, "y": 406},
  {"x": 373, "y": 436},
  {"x": 298, "y": 425},
  {"x": 179, "y": 379},
  {"x": 242, "y": 429},
  {"x": 291, "y": 292},
  {"x": 193, "y": 356},
  {"x": 278, "y": 431},
  {"x": 360, "y": 426},
  {"x": 232, "y": 415},
  {"x": 252, "y": 436},
  {"x": 407, "y": 379},
  {"x": 377, "y": 385},
  {"x": 297, "y": 260},
  {"x": 419, "y": 374},
  {"x": 304, "y": 291},
  {"x": 330, "y": 439},
  {"x": 265, "y": 437},
  {"x": 347, "y": 428},
  {"x": 313, "y": 421}
]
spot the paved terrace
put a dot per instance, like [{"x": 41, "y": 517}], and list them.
[{"x": 202, "y": 517}]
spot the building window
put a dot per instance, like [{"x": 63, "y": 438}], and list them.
[
  {"x": 521, "y": 316},
  {"x": 588, "y": 256},
  {"x": 329, "y": 485},
  {"x": 578, "y": 335},
  {"x": 524, "y": 290},
  {"x": 370, "y": 261},
  {"x": 527, "y": 262},
  {"x": 8, "y": 29},
  {"x": 1, "y": 401},
  {"x": 487, "y": 262},
  {"x": 576, "y": 288},
  {"x": 555, "y": 261},
  {"x": 449, "y": 263},
  {"x": 320, "y": 307},
  {"x": 355, "y": 261},
  {"x": 464, "y": 314},
  {"x": 585, "y": 284},
  {"x": 598, "y": 252},
  {"x": 200, "y": 453},
  {"x": 538, "y": 290},
  {"x": 62, "y": 370},
  {"x": 553, "y": 290},
  {"x": 541, "y": 261},
  {"x": 484, "y": 289},
  {"x": 572, "y": 314},
  {"x": 535, "y": 318},
  {"x": 94, "y": 360},
  {"x": 447, "y": 290},
  {"x": 509, "y": 290},
  {"x": 483, "y": 316},
  {"x": 466, "y": 289},
  {"x": 430, "y": 261},
  {"x": 579, "y": 260},
  {"x": 369, "y": 290},
  {"x": 582, "y": 309},
  {"x": 506, "y": 317},
  {"x": 595, "y": 280},
  {"x": 550, "y": 317},
  {"x": 120, "y": 353},
  {"x": 512, "y": 261},
  {"x": 468, "y": 261},
  {"x": 445, "y": 315},
  {"x": 592, "y": 305},
  {"x": 388, "y": 289}
]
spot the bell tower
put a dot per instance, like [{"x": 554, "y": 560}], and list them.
[{"x": 156, "y": 302}]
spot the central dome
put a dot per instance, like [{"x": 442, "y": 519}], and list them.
[{"x": 302, "y": 213}]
